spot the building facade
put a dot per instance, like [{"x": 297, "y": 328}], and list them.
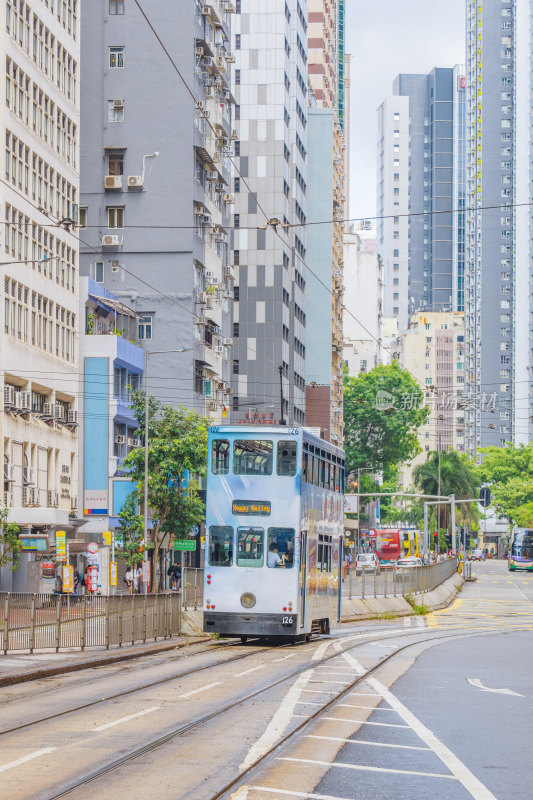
[
  {"x": 326, "y": 200},
  {"x": 39, "y": 345},
  {"x": 157, "y": 198},
  {"x": 270, "y": 188},
  {"x": 490, "y": 259}
]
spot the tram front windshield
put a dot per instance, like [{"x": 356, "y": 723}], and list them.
[{"x": 523, "y": 545}]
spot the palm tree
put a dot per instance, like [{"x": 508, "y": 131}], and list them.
[{"x": 457, "y": 476}]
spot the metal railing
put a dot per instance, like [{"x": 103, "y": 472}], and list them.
[
  {"x": 192, "y": 588},
  {"x": 397, "y": 582},
  {"x": 31, "y": 622}
]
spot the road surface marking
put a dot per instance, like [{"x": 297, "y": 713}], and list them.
[
  {"x": 279, "y": 722},
  {"x": 364, "y": 694},
  {"x": 29, "y": 757},
  {"x": 289, "y": 793},
  {"x": 126, "y": 719},
  {"x": 365, "y": 768},
  {"x": 341, "y": 683},
  {"x": 368, "y": 708},
  {"x": 201, "y": 689},
  {"x": 262, "y": 666},
  {"x": 477, "y": 683},
  {"x": 364, "y": 722},
  {"x": 319, "y": 691},
  {"x": 363, "y": 741},
  {"x": 321, "y": 649}
]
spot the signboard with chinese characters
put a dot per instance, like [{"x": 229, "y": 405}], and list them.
[
  {"x": 36, "y": 544},
  {"x": 113, "y": 573},
  {"x": 184, "y": 544},
  {"x": 95, "y": 501},
  {"x": 61, "y": 545},
  {"x": 255, "y": 508},
  {"x": 68, "y": 579}
]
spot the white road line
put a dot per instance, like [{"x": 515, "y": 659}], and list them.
[
  {"x": 365, "y": 768},
  {"x": 365, "y": 722},
  {"x": 363, "y": 741},
  {"x": 367, "y": 708},
  {"x": 477, "y": 683},
  {"x": 126, "y": 719},
  {"x": 201, "y": 689},
  {"x": 341, "y": 683},
  {"x": 321, "y": 649},
  {"x": 300, "y": 795},
  {"x": 421, "y": 623},
  {"x": 318, "y": 691},
  {"x": 364, "y": 694},
  {"x": 262, "y": 666},
  {"x": 279, "y": 722},
  {"x": 472, "y": 784},
  {"x": 29, "y": 757}
]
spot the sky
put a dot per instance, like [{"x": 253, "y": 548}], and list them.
[{"x": 384, "y": 38}]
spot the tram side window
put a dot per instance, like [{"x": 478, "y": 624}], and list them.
[
  {"x": 220, "y": 456},
  {"x": 305, "y": 462},
  {"x": 325, "y": 544},
  {"x": 252, "y": 457},
  {"x": 250, "y": 547},
  {"x": 280, "y": 547},
  {"x": 220, "y": 546},
  {"x": 286, "y": 464}
]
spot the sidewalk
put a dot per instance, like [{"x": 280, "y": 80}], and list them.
[{"x": 43, "y": 664}]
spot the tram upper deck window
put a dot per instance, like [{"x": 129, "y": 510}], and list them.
[
  {"x": 287, "y": 457},
  {"x": 220, "y": 456},
  {"x": 220, "y": 546},
  {"x": 250, "y": 547},
  {"x": 280, "y": 547},
  {"x": 252, "y": 457}
]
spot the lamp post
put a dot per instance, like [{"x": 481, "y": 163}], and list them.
[
  {"x": 359, "y": 470},
  {"x": 149, "y": 353}
]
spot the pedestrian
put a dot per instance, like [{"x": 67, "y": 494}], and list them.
[
  {"x": 137, "y": 579},
  {"x": 58, "y": 587},
  {"x": 174, "y": 572},
  {"x": 128, "y": 579},
  {"x": 76, "y": 581}
]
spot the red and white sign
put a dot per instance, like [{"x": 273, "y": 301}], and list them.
[{"x": 92, "y": 548}]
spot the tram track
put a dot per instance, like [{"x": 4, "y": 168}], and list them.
[{"x": 198, "y": 722}]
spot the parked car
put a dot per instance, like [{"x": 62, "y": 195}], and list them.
[
  {"x": 476, "y": 555},
  {"x": 408, "y": 562},
  {"x": 367, "y": 562}
]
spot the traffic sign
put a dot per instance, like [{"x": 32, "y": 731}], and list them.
[
  {"x": 184, "y": 544},
  {"x": 92, "y": 548},
  {"x": 61, "y": 545},
  {"x": 107, "y": 538}
]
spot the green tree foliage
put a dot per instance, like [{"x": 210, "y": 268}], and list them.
[
  {"x": 509, "y": 471},
  {"x": 9, "y": 541},
  {"x": 383, "y": 410},
  {"x": 458, "y": 476},
  {"x": 131, "y": 530},
  {"x": 177, "y": 452}
]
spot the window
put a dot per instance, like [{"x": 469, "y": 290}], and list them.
[
  {"x": 220, "y": 546},
  {"x": 116, "y": 57},
  {"x": 82, "y": 216},
  {"x": 280, "y": 547},
  {"x": 116, "y": 6},
  {"x": 220, "y": 456},
  {"x": 115, "y": 216},
  {"x": 286, "y": 464},
  {"x": 145, "y": 327},
  {"x": 99, "y": 272},
  {"x": 323, "y": 561},
  {"x": 115, "y": 110},
  {"x": 252, "y": 457},
  {"x": 115, "y": 164},
  {"x": 250, "y": 547}
]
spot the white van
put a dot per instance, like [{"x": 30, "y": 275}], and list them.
[{"x": 368, "y": 562}]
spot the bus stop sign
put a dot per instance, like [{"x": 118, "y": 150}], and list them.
[{"x": 484, "y": 497}]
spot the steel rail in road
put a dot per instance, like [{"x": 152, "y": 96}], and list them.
[{"x": 213, "y": 715}]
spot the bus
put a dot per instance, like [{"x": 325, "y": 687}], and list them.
[
  {"x": 521, "y": 555},
  {"x": 411, "y": 539},
  {"x": 389, "y": 546},
  {"x": 274, "y": 533}
]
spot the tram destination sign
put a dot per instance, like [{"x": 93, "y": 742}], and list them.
[{"x": 253, "y": 508}]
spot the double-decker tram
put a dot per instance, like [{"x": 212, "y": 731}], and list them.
[
  {"x": 274, "y": 532},
  {"x": 521, "y": 556}
]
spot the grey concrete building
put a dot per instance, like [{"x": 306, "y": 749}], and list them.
[
  {"x": 156, "y": 185},
  {"x": 490, "y": 289},
  {"x": 270, "y": 87}
]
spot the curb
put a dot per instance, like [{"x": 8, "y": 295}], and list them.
[{"x": 13, "y": 678}]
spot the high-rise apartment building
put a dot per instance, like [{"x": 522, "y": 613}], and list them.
[
  {"x": 326, "y": 204},
  {"x": 156, "y": 185},
  {"x": 270, "y": 187},
  {"x": 39, "y": 203},
  {"x": 421, "y": 192},
  {"x": 490, "y": 267}
]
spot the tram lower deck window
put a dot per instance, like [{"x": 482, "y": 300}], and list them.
[
  {"x": 220, "y": 546},
  {"x": 280, "y": 547},
  {"x": 252, "y": 457},
  {"x": 250, "y": 547}
]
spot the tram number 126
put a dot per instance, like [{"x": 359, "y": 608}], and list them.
[{"x": 287, "y": 621}]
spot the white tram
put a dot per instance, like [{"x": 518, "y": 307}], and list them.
[{"x": 274, "y": 533}]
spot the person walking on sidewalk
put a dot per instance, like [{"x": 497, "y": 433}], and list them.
[
  {"x": 174, "y": 573},
  {"x": 128, "y": 579}
]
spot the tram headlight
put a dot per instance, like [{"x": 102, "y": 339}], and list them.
[{"x": 248, "y": 600}]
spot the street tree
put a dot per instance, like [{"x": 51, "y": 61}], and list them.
[
  {"x": 509, "y": 472},
  {"x": 383, "y": 410},
  {"x": 9, "y": 541},
  {"x": 130, "y": 531},
  {"x": 458, "y": 476},
  {"x": 177, "y": 455}
]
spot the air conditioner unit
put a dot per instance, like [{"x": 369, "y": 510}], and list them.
[
  {"x": 221, "y": 62},
  {"x": 9, "y": 395},
  {"x": 216, "y": 157},
  {"x": 230, "y": 58},
  {"x": 228, "y": 342},
  {"x": 212, "y": 405},
  {"x": 198, "y": 208},
  {"x": 135, "y": 182},
  {"x": 26, "y": 401},
  {"x": 118, "y": 102},
  {"x": 212, "y": 175},
  {"x": 18, "y": 400},
  {"x": 205, "y": 218},
  {"x": 234, "y": 134},
  {"x": 135, "y": 442},
  {"x": 219, "y": 187},
  {"x": 202, "y": 298},
  {"x": 120, "y": 439},
  {"x": 59, "y": 412},
  {"x": 28, "y": 496},
  {"x": 28, "y": 476},
  {"x": 230, "y": 8},
  {"x": 73, "y": 503},
  {"x": 113, "y": 182},
  {"x": 53, "y": 498},
  {"x": 47, "y": 410},
  {"x": 209, "y": 62},
  {"x": 206, "y": 114},
  {"x": 110, "y": 240},
  {"x": 228, "y": 273},
  {"x": 8, "y": 499},
  {"x": 199, "y": 51},
  {"x": 200, "y": 105},
  {"x": 220, "y": 349},
  {"x": 229, "y": 198},
  {"x": 130, "y": 441},
  {"x": 72, "y": 417}
]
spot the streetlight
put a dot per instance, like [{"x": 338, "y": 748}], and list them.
[{"x": 149, "y": 353}]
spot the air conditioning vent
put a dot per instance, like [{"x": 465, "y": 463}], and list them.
[
  {"x": 28, "y": 496},
  {"x": 8, "y": 499},
  {"x": 73, "y": 503},
  {"x": 135, "y": 181},
  {"x": 212, "y": 175},
  {"x": 219, "y": 187},
  {"x": 113, "y": 182},
  {"x": 72, "y": 417},
  {"x": 199, "y": 51},
  {"x": 205, "y": 218},
  {"x": 110, "y": 240},
  {"x": 47, "y": 410},
  {"x": 230, "y": 58},
  {"x": 59, "y": 412},
  {"x": 9, "y": 473},
  {"x": 18, "y": 401},
  {"x": 212, "y": 405},
  {"x": 135, "y": 442},
  {"x": 202, "y": 298},
  {"x": 118, "y": 102},
  {"x": 229, "y": 198},
  {"x": 234, "y": 134},
  {"x": 228, "y": 273},
  {"x": 9, "y": 395},
  {"x": 220, "y": 349},
  {"x": 26, "y": 401},
  {"x": 120, "y": 439},
  {"x": 53, "y": 498},
  {"x": 228, "y": 342},
  {"x": 198, "y": 208}
]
